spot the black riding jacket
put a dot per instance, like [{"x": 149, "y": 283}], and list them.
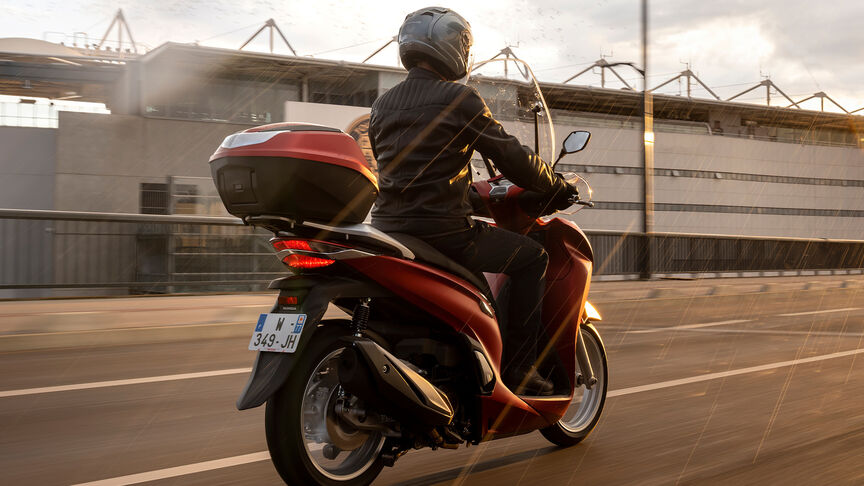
[{"x": 423, "y": 132}]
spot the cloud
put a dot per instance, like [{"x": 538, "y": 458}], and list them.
[{"x": 813, "y": 45}]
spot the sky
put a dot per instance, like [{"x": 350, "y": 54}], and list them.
[{"x": 804, "y": 46}]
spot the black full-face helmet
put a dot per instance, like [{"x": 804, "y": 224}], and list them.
[{"x": 439, "y": 36}]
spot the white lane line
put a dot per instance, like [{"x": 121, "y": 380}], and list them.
[
  {"x": 689, "y": 326},
  {"x": 173, "y": 472},
  {"x": 127, "y": 329},
  {"x": 133, "y": 381},
  {"x": 71, "y": 313},
  {"x": 778, "y": 333},
  {"x": 847, "y": 309},
  {"x": 725, "y": 374},
  {"x": 263, "y": 456}
]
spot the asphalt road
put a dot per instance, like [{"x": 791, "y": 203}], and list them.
[{"x": 763, "y": 388}]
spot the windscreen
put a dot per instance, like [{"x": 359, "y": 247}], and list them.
[{"x": 511, "y": 92}]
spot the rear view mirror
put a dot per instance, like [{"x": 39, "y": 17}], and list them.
[{"x": 576, "y": 141}]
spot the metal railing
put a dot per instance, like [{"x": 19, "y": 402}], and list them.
[
  {"x": 618, "y": 253},
  {"x": 42, "y": 252},
  {"x": 130, "y": 253}
]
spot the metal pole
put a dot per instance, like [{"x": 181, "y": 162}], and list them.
[
  {"x": 620, "y": 78},
  {"x": 394, "y": 39},
  {"x": 688, "y": 87},
  {"x": 536, "y": 131},
  {"x": 99, "y": 46},
  {"x": 647, "y": 153}
]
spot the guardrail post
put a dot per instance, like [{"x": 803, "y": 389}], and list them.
[{"x": 645, "y": 267}]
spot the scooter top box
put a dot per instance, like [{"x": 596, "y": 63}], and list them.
[{"x": 299, "y": 171}]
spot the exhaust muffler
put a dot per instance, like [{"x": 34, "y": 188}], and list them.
[{"x": 388, "y": 385}]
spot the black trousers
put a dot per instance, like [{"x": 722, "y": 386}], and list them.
[{"x": 485, "y": 248}]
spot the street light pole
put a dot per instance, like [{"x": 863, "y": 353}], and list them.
[{"x": 647, "y": 154}]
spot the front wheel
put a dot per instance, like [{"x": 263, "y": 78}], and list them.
[
  {"x": 587, "y": 405},
  {"x": 308, "y": 442}
]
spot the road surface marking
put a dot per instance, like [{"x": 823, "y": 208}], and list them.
[
  {"x": 133, "y": 381},
  {"x": 725, "y": 374},
  {"x": 778, "y": 333},
  {"x": 689, "y": 326},
  {"x": 70, "y": 313},
  {"x": 263, "y": 456},
  {"x": 127, "y": 329},
  {"x": 173, "y": 472},
  {"x": 267, "y": 304},
  {"x": 847, "y": 309}
]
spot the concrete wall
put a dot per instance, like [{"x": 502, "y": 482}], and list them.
[
  {"x": 621, "y": 148},
  {"x": 176, "y": 90},
  {"x": 337, "y": 116},
  {"x": 27, "y": 167},
  {"x": 27, "y": 158},
  {"x": 387, "y": 80},
  {"x": 103, "y": 159}
]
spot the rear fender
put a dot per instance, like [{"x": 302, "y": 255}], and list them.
[{"x": 272, "y": 369}]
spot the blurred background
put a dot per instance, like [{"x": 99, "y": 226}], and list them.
[
  {"x": 108, "y": 113},
  {"x": 731, "y": 288}
]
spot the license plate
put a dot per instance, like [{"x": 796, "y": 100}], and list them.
[{"x": 278, "y": 333}]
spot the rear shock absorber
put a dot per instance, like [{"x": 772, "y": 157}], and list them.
[{"x": 361, "y": 317}]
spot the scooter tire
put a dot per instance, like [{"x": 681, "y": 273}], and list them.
[
  {"x": 560, "y": 433},
  {"x": 283, "y": 424}
]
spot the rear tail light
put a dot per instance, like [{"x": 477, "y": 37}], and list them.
[
  {"x": 287, "y": 300},
  {"x": 301, "y": 254},
  {"x": 280, "y": 245},
  {"x": 303, "y": 261}
]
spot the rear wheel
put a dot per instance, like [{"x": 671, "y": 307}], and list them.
[
  {"x": 308, "y": 442},
  {"x": 587, "y": 405}
]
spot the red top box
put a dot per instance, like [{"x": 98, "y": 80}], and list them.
[{"x": 302, "y": 172}]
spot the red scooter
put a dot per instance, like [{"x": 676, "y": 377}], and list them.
[{"x": 417, "y": 361}]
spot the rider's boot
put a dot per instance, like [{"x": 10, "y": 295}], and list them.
[
  {"x": 527, "y": 381},
  {"x": 520, "y": 374}
]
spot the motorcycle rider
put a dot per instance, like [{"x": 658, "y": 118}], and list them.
[{"x": 423, "y": 132}]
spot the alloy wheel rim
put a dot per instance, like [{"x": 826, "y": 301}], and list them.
[
  {"x": 315, "y": 412},
  {"x": 586, "y": 403}
]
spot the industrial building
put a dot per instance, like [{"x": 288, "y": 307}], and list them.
[
  {"x": 721, "y": 167},
  {"x": 779, "y": 182}
]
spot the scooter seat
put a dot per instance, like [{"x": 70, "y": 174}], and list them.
[{"x": 425, "y": 253}]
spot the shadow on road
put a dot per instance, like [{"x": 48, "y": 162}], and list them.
[{"x": 454, "y": 473}]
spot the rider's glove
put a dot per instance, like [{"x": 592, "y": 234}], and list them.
[{"x": 565, "y": 194}]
